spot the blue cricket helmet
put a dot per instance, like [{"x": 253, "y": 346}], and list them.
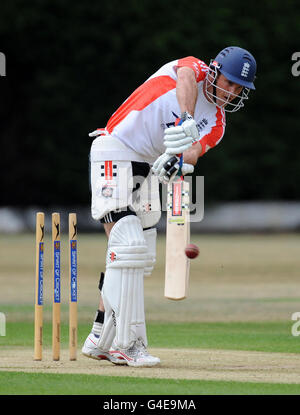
[{"x": 237, "y": 65}]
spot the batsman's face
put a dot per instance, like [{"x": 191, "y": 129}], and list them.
[{"x": 226, "y": 90}]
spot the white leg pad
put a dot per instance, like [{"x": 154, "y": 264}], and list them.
[
  {"x": 141, "y": 325},
  {"x": 108, "y": 331},
  {"x": 123, "y": 284},
  {"x": 150, "y": 238}
]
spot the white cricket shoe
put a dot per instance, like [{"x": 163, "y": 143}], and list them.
[
  {"x": 91, "y": 350},
  {"x": 136, "y": 355},
  {"x": 141, "y": 346}
]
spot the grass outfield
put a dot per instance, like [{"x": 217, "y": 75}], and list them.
[
  {"x": 55, "y": 384},
  {"x": 261, "y": 336},
  {"x": 236, "y": 322},
  {"x": 266, "y": 337}
]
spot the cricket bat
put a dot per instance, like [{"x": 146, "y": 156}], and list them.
[{"x": 177, "y": 237}]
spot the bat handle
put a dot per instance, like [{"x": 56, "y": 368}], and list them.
[
  {"x": 181, "y": 160},
  {"x": 179, "y": 173}
]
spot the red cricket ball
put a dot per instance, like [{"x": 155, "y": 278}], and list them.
[{"x": 191, "y": 251}]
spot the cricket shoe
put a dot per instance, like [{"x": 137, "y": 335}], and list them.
[
  {"x": 141, "y": 346},
  {"x": 91, "y": 350},
  {"x": 136, "y": 355}
]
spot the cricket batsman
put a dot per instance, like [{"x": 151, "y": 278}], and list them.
[{"x": 180, "y": 109}]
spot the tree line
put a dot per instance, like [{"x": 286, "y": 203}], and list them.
[{"x": 70, "y": 64}]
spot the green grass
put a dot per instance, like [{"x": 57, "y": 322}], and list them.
[
  {"x": 253, "y": 336},
  {"x": 266, "y": 266},
  {"x": 72, "y": 384},
  {"x": 259, "y": 336}
]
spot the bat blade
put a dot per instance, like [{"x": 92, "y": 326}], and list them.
[{"x": 178, "y": 236}]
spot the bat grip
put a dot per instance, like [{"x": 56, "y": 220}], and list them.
[{"x": 179, "y": 173}]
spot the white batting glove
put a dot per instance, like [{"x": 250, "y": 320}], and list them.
[
  {"x": 187, "y": 169},
  {"x": 180, "y": 138},
  {"x": 166, "y": 168},
  {"x": 165, "y": 163}
]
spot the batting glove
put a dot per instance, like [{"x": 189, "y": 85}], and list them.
[
  {"x": 180, "y": 138},
  {"x": 166, "y": 168},
  {"x": 187, "y": 169}
]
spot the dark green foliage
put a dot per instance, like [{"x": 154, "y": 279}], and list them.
[{"x": 70, "y": 64}]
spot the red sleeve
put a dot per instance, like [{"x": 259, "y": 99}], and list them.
[
  {"x": 213, "y": 138},
  {"x": 199, "y": 67}
]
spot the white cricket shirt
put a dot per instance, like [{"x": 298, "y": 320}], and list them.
[{"x": 140, "y": 121}]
